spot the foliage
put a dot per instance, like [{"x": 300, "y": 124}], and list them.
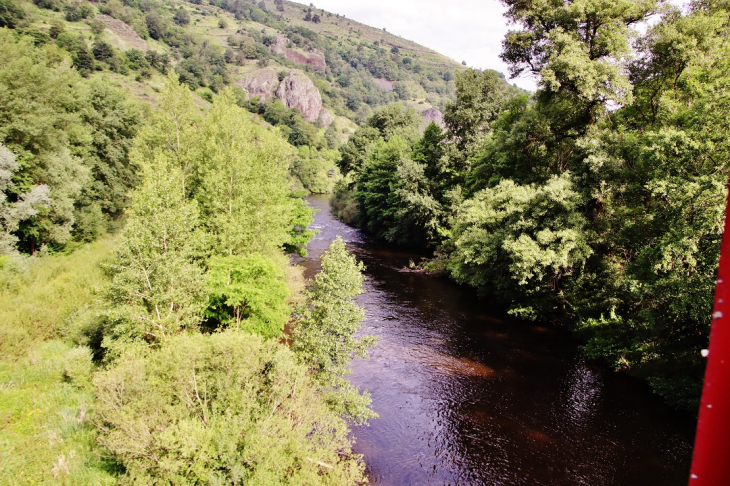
[
  {"x": 248, "y": 293},
  {"x": 301, "y": 218},
  {"x": 515, "y": 236},
  {"x": 384, "y": 123},
  {"x": 324, "y": 339},
  {"x": 39, "y": 121},
  {"x": 376, "y": 187},
  {"x": 480, "y": 96},
  {"x": 578, "y": 48},
  {"x": 243, "y": 193},
  {"x": 13, "y": 213},
  {"x": 342, "y": 203},
  {"x": 155, "y": 289},
  {"x": 67, "y": 135},
  {"x": 598, "y": 202},
  {"x": 10, "y": 13},
  {"x": 663, "y": 202},
  {"x": 227, "y": 408}
]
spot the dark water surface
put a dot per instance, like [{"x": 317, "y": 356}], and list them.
[{"x": 467, "y": 396}]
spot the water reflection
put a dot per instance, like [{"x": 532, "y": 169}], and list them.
[{"x": 468, "y": 396}]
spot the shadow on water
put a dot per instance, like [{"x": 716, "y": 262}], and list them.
[{"x": 468, "y": 396}]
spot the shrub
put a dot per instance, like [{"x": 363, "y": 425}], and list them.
[{"x": 229, "y": 408}]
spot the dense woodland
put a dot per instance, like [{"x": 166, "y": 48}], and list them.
[
  {"x": 598, "y": 203},
  {"x": 148, "y": 206}
]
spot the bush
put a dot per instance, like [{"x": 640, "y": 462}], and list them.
[
  {"x": 10, "y": 13},
  {"x": 76, "y": 11},
  {"x": 229, "y": 408}
]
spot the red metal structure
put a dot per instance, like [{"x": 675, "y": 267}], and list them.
[{"x": 711, "y": 460}]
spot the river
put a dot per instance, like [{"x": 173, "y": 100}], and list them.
[{"x": 469, "y": 396}]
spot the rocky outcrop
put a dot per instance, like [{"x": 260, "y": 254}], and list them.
[
  {"x": 325, "y": 118},
  {"x": 298, "y": 91},
  {"x": 312, "y": 58},
  {"x": 262, "y": 83},
  {"x": 280, "y": 45},
  {"x": 433, "y": 115}
]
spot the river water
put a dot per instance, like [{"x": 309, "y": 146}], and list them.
[{"x": 469, "y": 396}]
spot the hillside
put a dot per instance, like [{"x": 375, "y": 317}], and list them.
[
  {"x": 328, "y": 72},
  {"x": 354, "y": 67}
]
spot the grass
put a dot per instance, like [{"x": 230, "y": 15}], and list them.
[
  {"x": 45, "y": 432},
  {"x": 40, "y": 303}
]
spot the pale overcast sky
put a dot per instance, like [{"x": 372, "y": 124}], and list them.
[{"x": 464, "y": 30}]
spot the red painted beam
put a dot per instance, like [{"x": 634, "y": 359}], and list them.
[{"x": 711, "y": 459}]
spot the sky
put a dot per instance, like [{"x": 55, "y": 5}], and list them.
[{"x": 464, "y": 30}]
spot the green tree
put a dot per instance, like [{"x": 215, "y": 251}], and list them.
[
  {"x": 156, "y": 288},
  {"x": 243, "y": 192},
  {"x": 172, "y": 130},
  {"x": 324, "y": 339},
  {"x": 113, "y": 122},
  {"x": 521, "y": 242},
  {"x": 384, "y": 123},
  {"x": 13, "y": 213},
  {"x": 658, "y": 169},
  {"x": 10, "y": 13},
  {"x": 480, "y": 96},
  {"x": 301, "y": 217},
  {"x": 376, "y": 196},
  {"x": 182, "y": 16},
  {"x": 579, "y": 48},
  {"x": 40, "y": 122},
  {"x": 102, "y": 51}
]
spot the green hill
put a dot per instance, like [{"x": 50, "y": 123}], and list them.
[{"x": 354, "y": 67}]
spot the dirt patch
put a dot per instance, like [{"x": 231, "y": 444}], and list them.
[
  {"x": 123, "y": 36},
  {"x": 385, "y": 84}
]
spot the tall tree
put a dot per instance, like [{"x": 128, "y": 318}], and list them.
[
  {"x": 324, "y": 338},
  {"x": 156, "y": 287},
  {"x": 480, "y": 96},
  {"x": 243, "y": 190},
  {"x": 580, "y": 48},
  {"x": 384, "y": 123},
  {"x": 172, "y": 130},
  {"x": 13, "y": 213},
  {"x": 40, "y": 121}
]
